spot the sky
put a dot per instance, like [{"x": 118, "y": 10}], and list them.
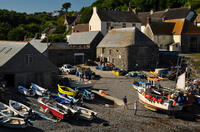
[{"x": 31, "y": 6}]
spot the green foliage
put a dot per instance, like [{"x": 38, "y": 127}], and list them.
[
  {"x": 86, "y": 14},
  {"x": 66, "y": 6},
  {"x": 4, "y": 29},
  {"x": 17, "y": 34}
]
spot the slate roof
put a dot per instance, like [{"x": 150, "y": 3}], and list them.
[
  {"x": 178, "y": 26},
  {"x": 59, "y": 45},
  {"x": 49, "y": 30},
  {"x": 117, "y": 16},
  {"x": 82, "y": 37},
  {"x": 9, "y": 49},
  {"x": 125, "y": 37},
  {"x": 177, "y": 13},
  {"x": 162, "y": 28},
  {"x": 41, "y": 47},
  {"x": 184, "y": 27}
]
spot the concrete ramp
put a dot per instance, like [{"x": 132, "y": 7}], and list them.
[{"x": 116, "y": 100}]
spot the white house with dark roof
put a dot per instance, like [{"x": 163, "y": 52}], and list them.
[{"x": 103, "y": 20}]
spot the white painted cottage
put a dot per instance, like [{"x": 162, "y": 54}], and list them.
[{"x": 103, "y": 20}]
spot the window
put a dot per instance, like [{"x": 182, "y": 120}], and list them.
[
  {"x": 133, "y": 24},
  {"x": 124, "y": 25},
  {"x": 103, "y": 50},
  {"x": 28, "y": 59},
  {"x": 90, "y": 28},
  {"x": 108, "y": 25},
  {"x": 110, "y": 52}
]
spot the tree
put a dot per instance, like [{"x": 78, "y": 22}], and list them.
[
  {"x": 66, "y": 6},
  {"x": 16, "y": 34}
]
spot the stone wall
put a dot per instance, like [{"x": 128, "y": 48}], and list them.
[
  {"x": 117, "y": 56},
  {"x": 127, "y": 57},
  {"x": 66, "y": 56}
]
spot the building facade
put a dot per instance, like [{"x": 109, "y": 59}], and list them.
[
  {"x": 22, "y": 63},
  {"x": 129, "y": 49},
  {"x": 104, "y": 20}
]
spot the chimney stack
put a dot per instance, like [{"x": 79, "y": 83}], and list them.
[
  {"x": 148, "y": 20},
  {"x": 134, "y": 10},
  {"x": 95, "y": 9},
  {"x": 151, "y": 12}
]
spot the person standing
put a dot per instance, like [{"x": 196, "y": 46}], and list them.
[
  {"x": 135, "y": 108},
  {"x": 125, "y": 102}
]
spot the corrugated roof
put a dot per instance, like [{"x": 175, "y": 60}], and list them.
[
  {"x": 117, "y": 16},
  {"x": 41, "y": 47},
  {"x": 8, "y": 49},
  {"x": 162, "y": 28},
  {"x": 125, "y": 37},
  {"x": 82, "y": 37}
]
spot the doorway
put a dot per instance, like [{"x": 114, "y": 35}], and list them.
[
  {"x": 10, "y": 79},
  {"x": 78, "y": 58}
]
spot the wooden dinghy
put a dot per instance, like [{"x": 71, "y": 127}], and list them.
[
  {"x": 39, "y": 90},
  {"x": 26, "y": 91},
  {"x": 5, "y": 110},
  {"x": 86, "y": 114},
  {"x": 19, "y": 108},
  {"x": 13, "y": 122}
]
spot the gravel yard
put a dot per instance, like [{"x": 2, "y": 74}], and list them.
[{"x": 117, "y": 119}]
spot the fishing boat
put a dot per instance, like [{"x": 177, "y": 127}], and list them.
[
  {"x": 69, "y": 98},
  {"x": 66, "y": 90},
  {"x": 39, "y": 90},
  {"x": 13, "y": 122},
  {"x": 54, "y": 108},
  {"x": 5, "y": 110},
  {"x": 26, "y": 91},
  {"x": 155, "y": 102},
  {"x": 137, "y": 84},
  {"x": 19, "y": 108}
]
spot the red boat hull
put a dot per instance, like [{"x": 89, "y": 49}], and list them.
[{"x": 54, "y": 112}]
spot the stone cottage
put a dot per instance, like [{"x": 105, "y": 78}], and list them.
[
  {"x": 103, "y": 20},
  {"x": 129, "y": 49},
  {"x": 22, "y": 63}
]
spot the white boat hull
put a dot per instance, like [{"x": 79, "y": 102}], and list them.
[{"x": 159, "y": 106}]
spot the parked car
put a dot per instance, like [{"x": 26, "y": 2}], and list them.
[{"x": 67, "y": 68}]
